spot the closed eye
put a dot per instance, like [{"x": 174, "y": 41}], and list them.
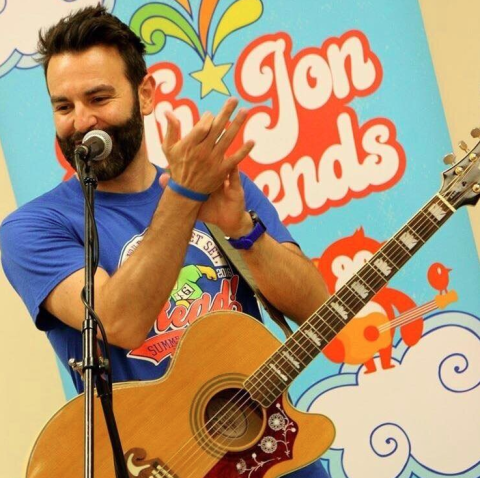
[
  {"x": 100, "y": 99},
  {"x": 61, "y": 108}
]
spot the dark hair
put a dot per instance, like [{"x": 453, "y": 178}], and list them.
[{"x": 92, "y": 26}]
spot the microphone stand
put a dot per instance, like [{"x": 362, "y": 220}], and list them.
[{"x": 93, "y": 367}]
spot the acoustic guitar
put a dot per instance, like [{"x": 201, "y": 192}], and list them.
[{"x": 222, "y": 410}]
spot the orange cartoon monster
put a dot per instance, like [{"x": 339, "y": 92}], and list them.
[{"x": 338, "y": 263}]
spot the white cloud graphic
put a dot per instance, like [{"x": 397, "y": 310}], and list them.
[
  {"x": 423, "y": 416},
  {"x": 20, "y": 21}
]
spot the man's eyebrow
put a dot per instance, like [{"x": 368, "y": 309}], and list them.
[
  {"x": 100, "y": 89},
  {"x": 58, "y": 99},
  {"x": 92, "y": 91}
]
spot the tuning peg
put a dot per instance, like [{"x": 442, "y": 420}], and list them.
[
  {"x": 475, "y": 133},
  {"x": 462, "y": 145},
  {"x": 449, "y": 158}
]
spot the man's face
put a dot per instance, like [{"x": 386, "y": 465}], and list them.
[{"x": 89, "y": 90}]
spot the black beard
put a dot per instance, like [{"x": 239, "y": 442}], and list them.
[{"x": 126, "y": 140}]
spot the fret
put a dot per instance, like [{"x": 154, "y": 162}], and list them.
[
  {"x": 393, "y": 250},
  {"x": 338, "y": 309},
  {"x": 438, "y": 211},
  {"x": 345, "y": 305},
  {"x": 289, "y": 362},
  {"x": 383, "y": 266},
  {"x": 360, "y": 283},
  {"x": 302, "y": 347},
  {"x": 327, "y": 318},
  {"x": 265, "y": 399},
  {"x": 378, "y": 276},
  {"x": 419, "y": 225},
  {"x": 349, "y": 298},
  {"x": 415, "y": 233},
  {"x": 389, "y": 259},
  {"x": 428, "y": 217},
  {"x": 322, "y": 322},
  {"x": 368, "y": 280},
  {"x": 293, "y": 339},
  {"x": 263, "y": 376},
  {"x": 282, "y": 374},
  {"x": 361, "y": 299},
  {"x": 313, "y": 337},
  {"x": 292, "y": 359},
  {"x": 267, "y": 380},
  {"x": 284, "y": 366},
  {"x": 403, "y": 247}
]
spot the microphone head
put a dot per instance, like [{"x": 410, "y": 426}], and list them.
[{"x": 99, "y": 144}]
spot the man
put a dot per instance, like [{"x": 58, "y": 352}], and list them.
[{"x": 150, "y": 223}]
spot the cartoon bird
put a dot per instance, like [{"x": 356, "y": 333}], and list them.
[
  {"x": 337, "y": 265},
  {"x": 437, "y": 276}
]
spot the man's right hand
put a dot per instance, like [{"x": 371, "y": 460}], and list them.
[{"x": 198, "y": 160}]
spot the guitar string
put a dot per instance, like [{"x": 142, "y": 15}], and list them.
[
  {"x": 197, "y": 460},
  {"x": 436, "y": 226},
  {"x": 429, "y": 222},
  {"x": 372, "y": 274},
  {"x": 225, "y": 443}
]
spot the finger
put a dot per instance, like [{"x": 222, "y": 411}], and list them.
[
  {"x": 222, "y": 118},
  {"x": 201, "y": 130},
  {"x": 234, "y": 177},
  {"x": 173, "y": 130},
  {"x": 232, "y": 161},
  {"x": 231, "y": 132}
]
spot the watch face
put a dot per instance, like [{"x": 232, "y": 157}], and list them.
[
  {"x": 256, "y": 219},
  {"x": 246, "y": 242}
]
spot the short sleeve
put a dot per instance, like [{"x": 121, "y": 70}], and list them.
[
  {"x": 38, "y": 252},
  {"x": 256, "y": 200}
]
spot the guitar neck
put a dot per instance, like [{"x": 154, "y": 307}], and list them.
[{"x": 274, "y": 376}]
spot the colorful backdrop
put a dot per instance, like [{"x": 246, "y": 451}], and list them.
[{"x": 353, "y": 105}]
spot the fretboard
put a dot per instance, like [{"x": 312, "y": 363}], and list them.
[{"x": 274, "y": 376}]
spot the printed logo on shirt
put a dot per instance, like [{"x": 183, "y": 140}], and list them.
[{"x": 199, "y": 289}]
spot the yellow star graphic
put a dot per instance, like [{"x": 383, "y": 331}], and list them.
[{"x": 211, "y": 77}]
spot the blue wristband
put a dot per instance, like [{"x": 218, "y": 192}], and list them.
[{"x": 185, "y": 192}]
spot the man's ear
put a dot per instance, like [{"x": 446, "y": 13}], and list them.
[{"x": 146, "y": 94}]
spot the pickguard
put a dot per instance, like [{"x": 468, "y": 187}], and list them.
[{"x": 275, "y": 446}]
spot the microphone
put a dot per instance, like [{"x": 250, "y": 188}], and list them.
[{"x": 96, "y": 146}]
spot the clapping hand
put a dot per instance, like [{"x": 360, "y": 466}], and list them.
[{"x": 199, "y": 162}]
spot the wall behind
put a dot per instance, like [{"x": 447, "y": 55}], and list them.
[{"x": 454, "y": 40}]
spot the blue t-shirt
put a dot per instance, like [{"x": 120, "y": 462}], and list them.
[{"x": 42, "y": 244}]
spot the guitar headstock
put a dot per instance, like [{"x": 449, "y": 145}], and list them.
[{"x": 461, "y": 182}]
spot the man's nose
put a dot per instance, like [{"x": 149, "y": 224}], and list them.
[{"x": 84, "y": 120}]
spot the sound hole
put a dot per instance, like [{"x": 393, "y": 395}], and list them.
[{"x": 233, "y": 420}]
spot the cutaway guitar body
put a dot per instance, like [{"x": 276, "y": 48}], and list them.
[{"x": 198, "y": 421}]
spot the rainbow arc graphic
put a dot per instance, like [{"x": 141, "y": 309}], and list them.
[{"x": 154, "y": 22}]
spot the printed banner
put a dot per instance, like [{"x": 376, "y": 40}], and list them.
[{"x": 349, "y": 137}]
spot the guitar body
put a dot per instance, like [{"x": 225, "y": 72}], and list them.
[
  {"x": 166, "y": 426},
  {"x": 362, "y": 337}
]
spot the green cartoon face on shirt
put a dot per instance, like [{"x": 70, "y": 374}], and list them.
[{"x": 186, "y": 288}]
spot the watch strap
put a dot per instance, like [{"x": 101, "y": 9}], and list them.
[{"x": 238, "y": 263}]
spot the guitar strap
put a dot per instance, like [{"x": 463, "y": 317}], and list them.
[{"x": 238, "y": 263}]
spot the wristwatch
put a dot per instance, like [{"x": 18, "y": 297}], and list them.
[{"x": 246, "y": 242}]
